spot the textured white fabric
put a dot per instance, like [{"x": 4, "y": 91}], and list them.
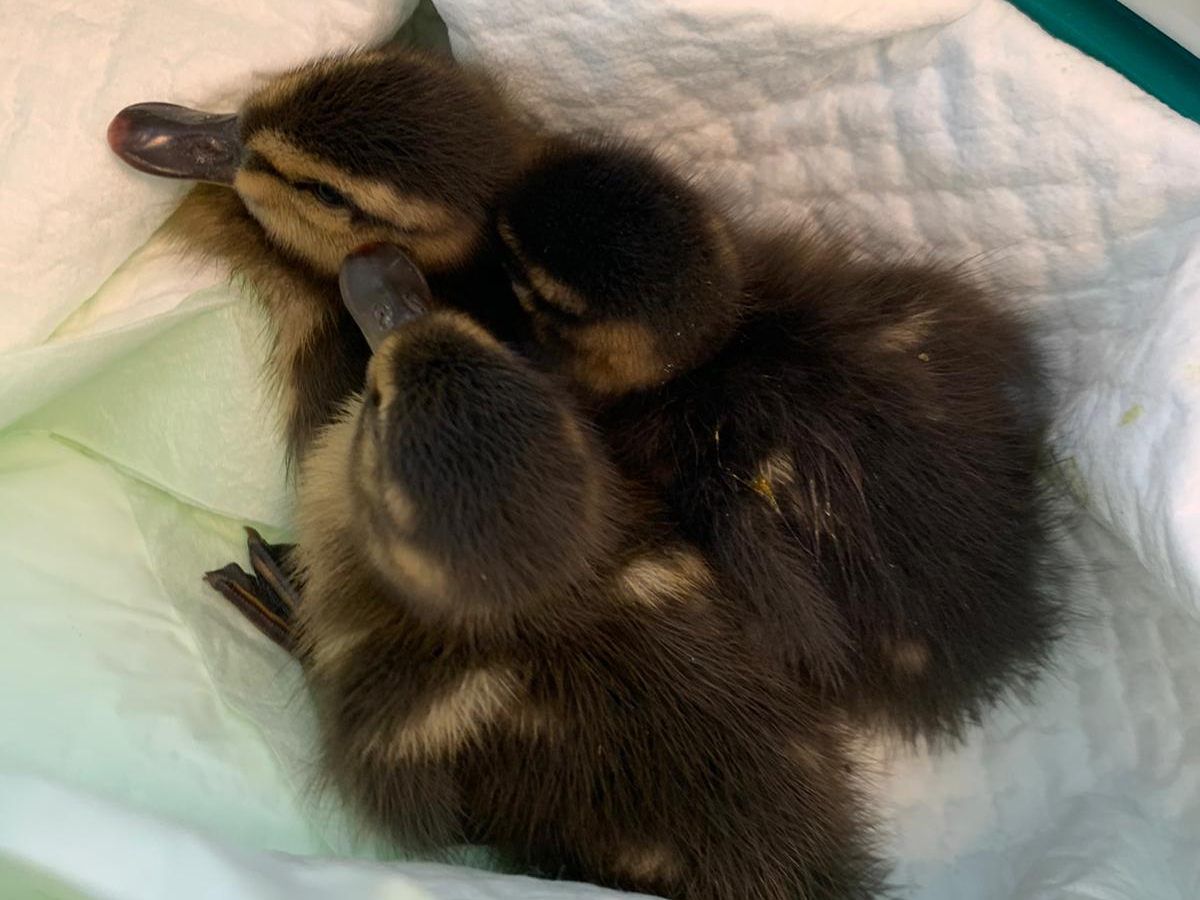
[{"x": 66, "y": 66}]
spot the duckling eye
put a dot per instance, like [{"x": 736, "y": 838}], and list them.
[{"x": 325, "y": 194}]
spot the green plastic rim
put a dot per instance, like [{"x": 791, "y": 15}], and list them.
[{"x": 1127, "y": 43}]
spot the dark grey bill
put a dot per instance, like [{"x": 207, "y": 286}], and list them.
[
  {"x": 383, "y": 289},
  {"x": 177, "y": 142}
]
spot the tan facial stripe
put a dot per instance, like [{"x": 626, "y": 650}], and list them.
[
  {"x": 259, "y": 164},
  {"x": 549, "y": 288},
  {"x": 262, "y": 190},
  {"x": 323, "y": 236},
  {"x": 401, "y": 210},
  {"x": 554, "y": 291},
  {"x": 371, "y": 195},
  {"x": 319, "y": 236}
]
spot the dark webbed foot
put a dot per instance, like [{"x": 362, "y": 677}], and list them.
[{"x": 268, "y": 597}]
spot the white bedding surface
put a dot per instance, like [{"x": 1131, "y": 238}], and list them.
[
  {"x": 67, "y": 66},
  {"x": 138, "y": 434}
]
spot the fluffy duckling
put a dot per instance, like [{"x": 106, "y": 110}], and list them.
[
  {"x": 393, "y": 146},
  {"x": 851, "y": 442},
  {"x": 505, "y": 649}
]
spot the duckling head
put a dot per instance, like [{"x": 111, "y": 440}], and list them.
[
  {"x": 475, "y": 489},
  {"x": 628, "y": 274},
  {"x": 375, "y": 146}
]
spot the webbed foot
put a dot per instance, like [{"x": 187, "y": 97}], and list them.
[{"x": 268, "y": 597}]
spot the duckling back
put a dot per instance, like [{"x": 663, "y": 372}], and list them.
[
  {"x": 607, "y": 721},
  {"x": 853, "y": 442},
  {"x": 868, "y": 478},
  {"x": 653, "y": 754}
]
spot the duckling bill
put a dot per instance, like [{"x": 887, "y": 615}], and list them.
[
  {"x": 176, "y": 142},
  {"x": 382, "y": 289}
]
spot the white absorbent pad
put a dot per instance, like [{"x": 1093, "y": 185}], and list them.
[{"x": 153, "y": 744}]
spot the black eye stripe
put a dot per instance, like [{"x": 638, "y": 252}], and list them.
[
  {"x": 256, "y": 162},
  {"x": 334, "y": 199},
  {"x": 324, "y": 193}
]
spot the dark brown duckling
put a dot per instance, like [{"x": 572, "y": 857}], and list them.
[
  {"x": 505, "y": 648},
  {"x": 853, "y": 442},
  {"x": 394, "y": 146}
]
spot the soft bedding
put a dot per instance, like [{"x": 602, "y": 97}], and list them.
[{"x": 152, "y": 745}]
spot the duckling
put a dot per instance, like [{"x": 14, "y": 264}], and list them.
[
  {"x": 853, "y": 442},
  {"x": 507, "y": 647},
  {"x": 384, "y": 145},
  {"x": 850, "y": 441}
]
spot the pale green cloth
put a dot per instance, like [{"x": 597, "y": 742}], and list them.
[{"x": 120, "y": 670}]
